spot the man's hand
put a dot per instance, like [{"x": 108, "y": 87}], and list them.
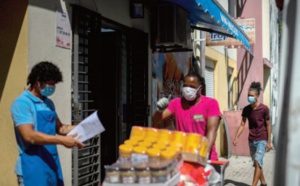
[
  {"x": 70, "y": 141},
  {"x": 268, "y": 147},
  {"x": 163, "y": 103}
]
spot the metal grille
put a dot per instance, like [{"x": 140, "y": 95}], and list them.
[{"x": 86, "y": 161}]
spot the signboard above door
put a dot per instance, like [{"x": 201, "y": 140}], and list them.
[{"x": 247, "y": 25}]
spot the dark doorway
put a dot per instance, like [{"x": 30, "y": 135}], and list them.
[
  {"x": 119, "y": 75},
  {"x": 105, "y": 49}
]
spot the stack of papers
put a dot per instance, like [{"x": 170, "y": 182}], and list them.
[{"x": 88, "y": 128}]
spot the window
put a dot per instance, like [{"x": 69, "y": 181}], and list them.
[{"x": 209, "y": 78}]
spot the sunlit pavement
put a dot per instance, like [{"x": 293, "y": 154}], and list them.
[{"x": 240, "y": 170}]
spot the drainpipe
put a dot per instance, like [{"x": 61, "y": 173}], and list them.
[
  {"x": 200, "y": 61},
  {"x": 202, "y": 52},
  {"x": 227, "y": 76}
]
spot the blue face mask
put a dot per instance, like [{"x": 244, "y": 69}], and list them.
[
  {"x": 251, "y": 99},
  {"x": 48, "y": 90}
]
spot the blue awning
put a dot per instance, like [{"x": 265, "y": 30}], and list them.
[{"x": 210, "y": 16}]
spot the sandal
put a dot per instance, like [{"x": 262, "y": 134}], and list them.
[{"x": 263, "y": 184}]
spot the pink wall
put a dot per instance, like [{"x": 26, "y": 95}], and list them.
[
  {"x": 233, "y": 119},
  {"x": 250, "y": 68}
]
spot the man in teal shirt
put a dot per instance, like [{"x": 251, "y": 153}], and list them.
[{"x": 36, "y": 125}]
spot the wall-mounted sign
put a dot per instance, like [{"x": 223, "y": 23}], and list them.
[
  {"x": 136, "y": 9},
  {"x": 63, "y": 30},
  {"x": 247, "y": 25}
]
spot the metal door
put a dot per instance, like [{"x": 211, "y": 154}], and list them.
[{"x": 86, "y": 161}]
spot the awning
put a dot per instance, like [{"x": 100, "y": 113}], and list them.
[{"x": 210, "y": 16}]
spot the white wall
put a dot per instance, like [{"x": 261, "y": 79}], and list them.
[
  {"x": 266, "y": 28},
  {"x": 41, "y": 44},
  {"x": 224, "y": 4}
]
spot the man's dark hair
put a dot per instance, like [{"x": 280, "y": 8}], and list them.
[
  {"x": 201, "y": 80},
  {"x": 44, "y": 71},
  {"x": 255, "y": 86}
]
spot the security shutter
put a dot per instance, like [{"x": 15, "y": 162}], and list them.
[
  {"x": 209, "y": 78},
  {"x": 86, "y": 161}
]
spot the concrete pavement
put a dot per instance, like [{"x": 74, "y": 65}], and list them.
[{"x": 240, "y": 170}]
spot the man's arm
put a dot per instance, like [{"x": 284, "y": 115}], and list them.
[
  {"x": 212, "y": 128},
  {"x": 35, "y": 137},
  {"x": 239, "y": 131},
  {"x": 63, "y": 129},
  {"x": 269, "y": 130},
  {"x": 159, "y": 117}
]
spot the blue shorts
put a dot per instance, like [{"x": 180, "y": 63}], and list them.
[{"x": 258, "y": 150}]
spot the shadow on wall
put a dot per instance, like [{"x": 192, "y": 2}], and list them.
[
  {"x": 243, "y": 72},
  {"x": 238, "y": 83},
  {"x": 12, "y": 14},
  {"x": 233, "y": 93},
  {"x": 240, "y": 7}
]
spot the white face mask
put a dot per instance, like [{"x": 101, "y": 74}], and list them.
[{"x": 189, "y": 93}]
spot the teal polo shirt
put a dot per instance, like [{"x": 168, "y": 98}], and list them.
[{"x": 23, "y": 111}]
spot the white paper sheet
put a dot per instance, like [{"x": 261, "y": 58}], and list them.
[{"x": 88, "y": 128}]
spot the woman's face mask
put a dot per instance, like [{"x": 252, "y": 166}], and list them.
[
  {"x": 48, "y": 90},
  {"x": 251, "y": 99},
  {"x": 189, "y": 93}
]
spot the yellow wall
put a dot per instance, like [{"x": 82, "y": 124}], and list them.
[
  {"x": 267, "y": 87},
  {"x": 221, "y": 87},
  {"x": 13, "y": 74}
]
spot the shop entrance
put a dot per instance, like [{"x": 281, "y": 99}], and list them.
[
  {"x": 105, "y": 53},
  {"x": 110, "y": 74}
]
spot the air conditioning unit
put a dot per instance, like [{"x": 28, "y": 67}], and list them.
[{"x": 173, "y": 26}]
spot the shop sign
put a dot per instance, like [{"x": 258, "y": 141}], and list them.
[
  {"x": 63, "y": 30},
  {"x": 247, "y": 25}
]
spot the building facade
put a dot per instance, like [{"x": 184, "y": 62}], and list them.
[
  {"x": 251, "y": 68},
  {"x": 105, "y": 50}
]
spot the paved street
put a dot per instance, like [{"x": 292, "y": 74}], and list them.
[{"x": 240, "y": 170}]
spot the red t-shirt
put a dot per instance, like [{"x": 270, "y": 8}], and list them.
[
  {"x": 193, "y": 120},
  {"x": 257, "y": 121}
]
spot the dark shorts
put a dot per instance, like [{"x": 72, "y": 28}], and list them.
[{"x": 258, "y": 150}]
